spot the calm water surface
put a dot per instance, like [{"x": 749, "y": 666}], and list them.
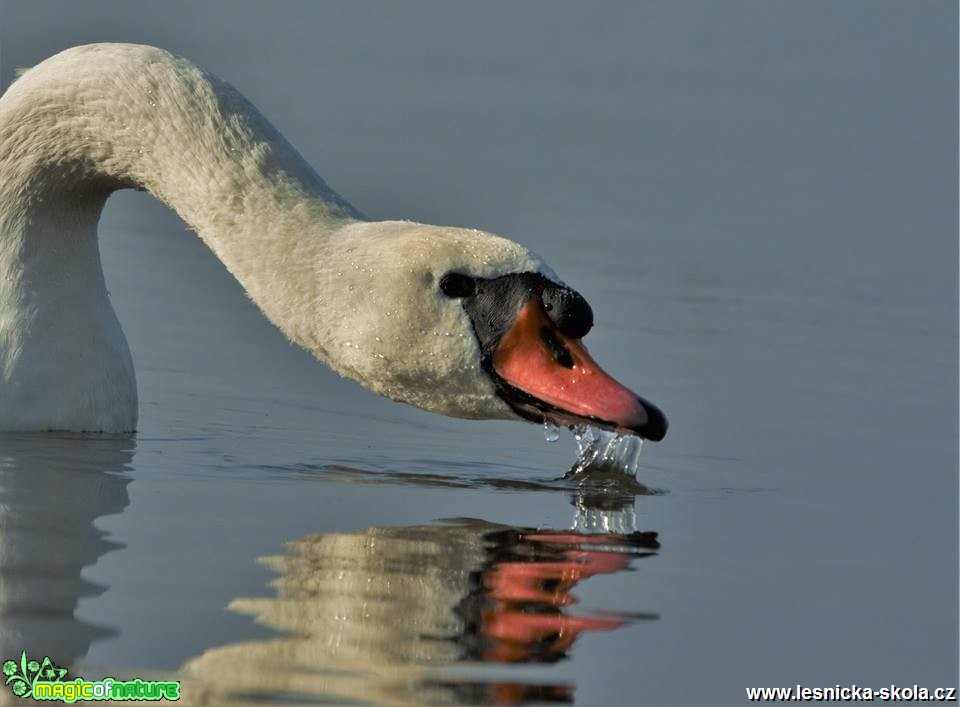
[{"x": 759, "y": 201}]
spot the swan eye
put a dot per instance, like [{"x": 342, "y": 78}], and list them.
[{"x": 453, "y": 284}]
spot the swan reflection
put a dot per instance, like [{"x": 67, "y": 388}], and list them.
[
  {"x": 385, "y": 615},
  {"x": 52, "y": 489}
]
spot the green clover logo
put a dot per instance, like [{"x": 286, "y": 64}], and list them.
[{"x": 22, "y": 676}]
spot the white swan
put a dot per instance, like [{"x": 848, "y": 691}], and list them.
[{"x": 451, "y": 320}]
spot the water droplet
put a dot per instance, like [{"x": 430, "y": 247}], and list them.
[
  {"x": 551, "y": 432},
  {"x": 599, "y": 450}
]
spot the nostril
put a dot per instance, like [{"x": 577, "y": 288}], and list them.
[{"x": 561, "y": 354}]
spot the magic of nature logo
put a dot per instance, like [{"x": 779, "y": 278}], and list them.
[{"x": 45, "y": 680}]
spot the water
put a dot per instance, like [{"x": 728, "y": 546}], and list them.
[
  {"x": 377, "y": 614},
  {"x": 602, "y": 451},
  {"x": 599, "y": 452},
  {"x": 551, "y": 432},
  {"x": 759, "y": 203}
]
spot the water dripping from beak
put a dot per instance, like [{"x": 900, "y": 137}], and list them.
[
  {"x": 551, "y": 432},
  {"x": 606, "y": 452}
]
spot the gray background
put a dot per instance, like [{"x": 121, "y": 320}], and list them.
[{"x": 759, "y": 199}]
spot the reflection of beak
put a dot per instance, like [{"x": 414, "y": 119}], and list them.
[
  {"x": 536, "y": 358},
  {"x": 550, "y": 582},
  {"x": 521, "y": 635},
  {"x": 524, "y": 617}
]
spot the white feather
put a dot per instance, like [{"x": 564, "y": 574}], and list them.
[{"x": 362, "y": 296}]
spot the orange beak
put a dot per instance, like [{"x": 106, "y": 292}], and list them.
[{"x": 536, "y": 358}]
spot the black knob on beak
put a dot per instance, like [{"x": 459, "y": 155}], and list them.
[
  {"x": 656, "y": 427},
  {"x": 568, "y": 310}
]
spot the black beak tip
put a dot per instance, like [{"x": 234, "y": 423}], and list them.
[{"x": 656, "y": 426}]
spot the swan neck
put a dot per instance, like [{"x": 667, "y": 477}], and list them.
[
  {"x": 95, "y": 119},
  {"x": 98, "y": 118}
]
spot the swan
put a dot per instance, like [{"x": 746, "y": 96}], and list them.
[{"x": 451, "y": 320}]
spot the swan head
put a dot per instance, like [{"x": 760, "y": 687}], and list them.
[{"x": 466, "y": 324}]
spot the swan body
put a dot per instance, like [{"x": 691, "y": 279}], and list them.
[{"x": 364, "y": 297}]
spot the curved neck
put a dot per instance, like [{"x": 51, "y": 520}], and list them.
[
  {"x": 103, "y": 117},
  {"x": 95, "y": 119}
]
